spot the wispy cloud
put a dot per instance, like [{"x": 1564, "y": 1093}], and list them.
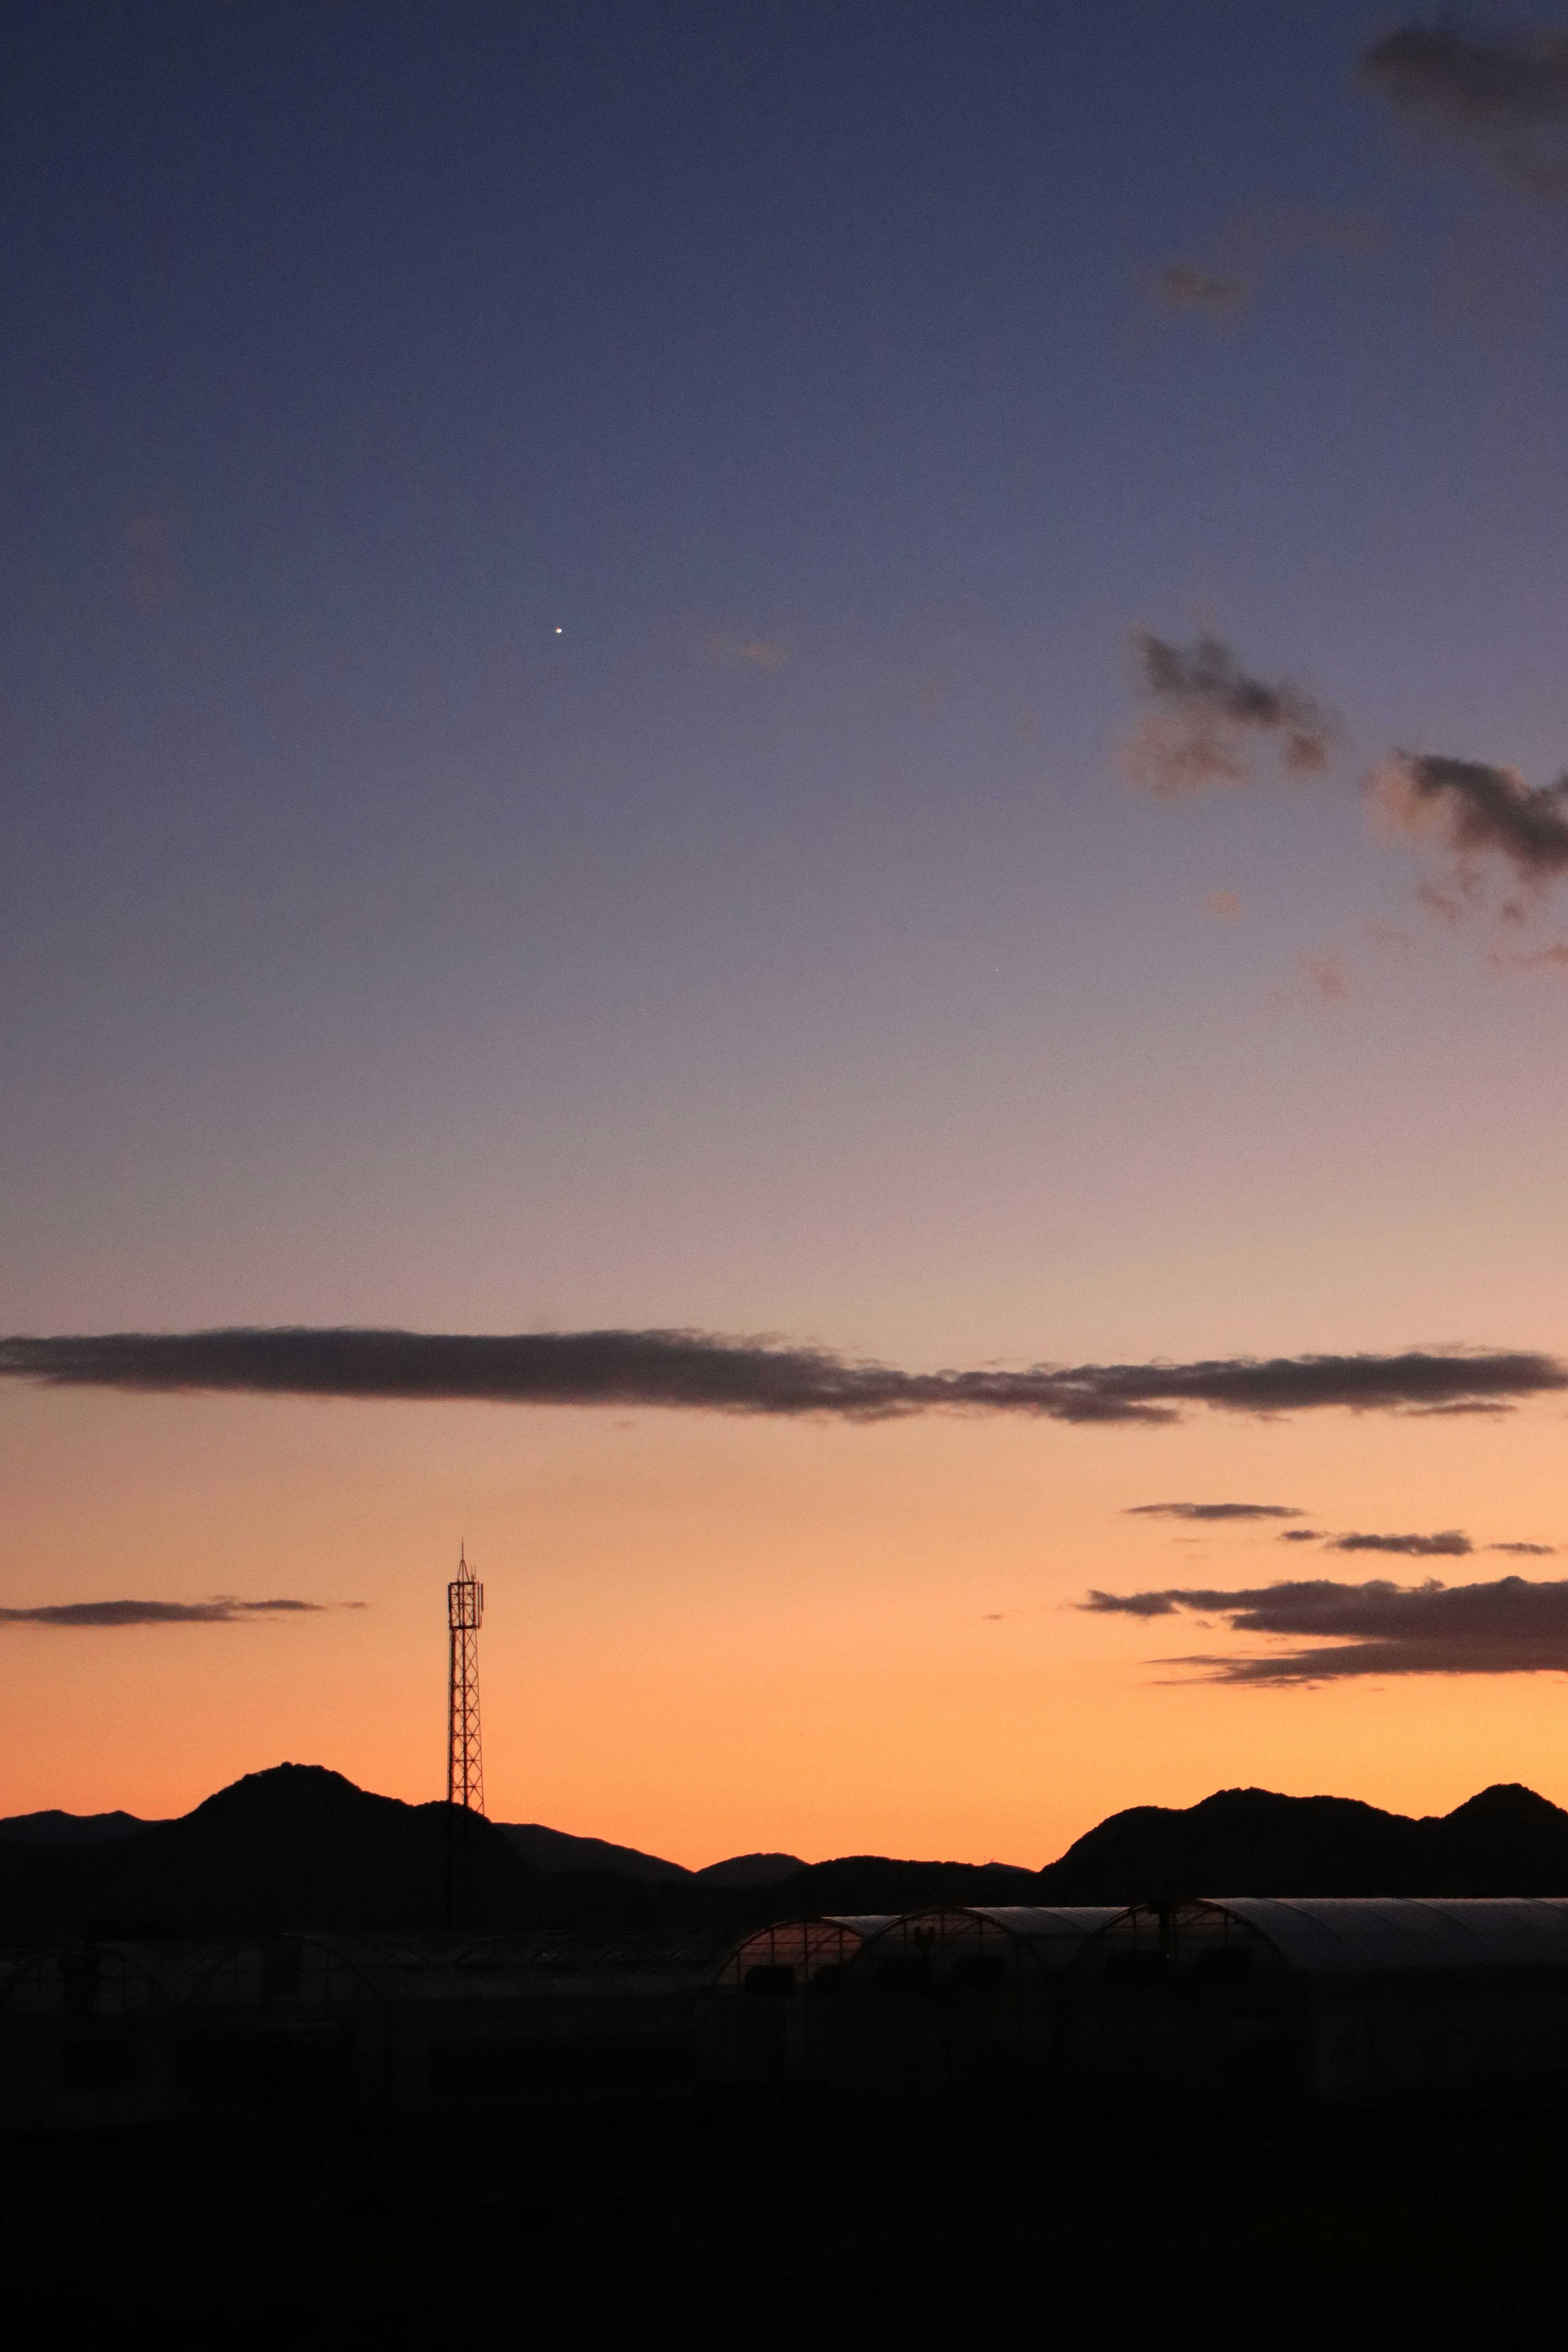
[
  {"x": 1325, "y": 976},
  {"x": 1478, "y": 820},
  {"x": 1529, "y": 1550},
  {"x": 1552, "y": 957},
  {"x": 1222, "y": 284},
  {"x": 1507, "y": 92},
  {"x": 1187, "y": 286},
  {"x": 114, "y": 1614},
  {"x": 1211, "y": 1511},
  {"x": 738, "y": 651},
  {"x": 697, "y": 1372},
  {"x": 1511, "y": 1627},
  {"x": 1214, "y": 716}
]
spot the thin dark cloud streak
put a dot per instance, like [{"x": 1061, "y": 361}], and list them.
[
  {"x": 698, "y": 1371},
  {"x": 1472, "y": 1406},
  {"x": 1340, "y": 1630},
  {"x": 1449, "y": 1543},
  {"x": 112, "y": 1614},
  {"x": 1212, "y": 1511}
]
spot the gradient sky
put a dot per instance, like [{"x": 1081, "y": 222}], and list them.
[{"x": 570, "y": 579}]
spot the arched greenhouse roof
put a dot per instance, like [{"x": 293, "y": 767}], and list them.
[
  {"x": 801, "y": 1949},
  {"x": 952, "y": 1939},
  {"x": 1348, "y": 1936},
  {"x": 1055, "y": 1933},
  {"x": 94, "y": 1981}
]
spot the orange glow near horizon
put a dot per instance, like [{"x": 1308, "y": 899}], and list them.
[{"x": 709, "y": 1635}]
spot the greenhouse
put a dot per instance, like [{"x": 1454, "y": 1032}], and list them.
[
  {"x": 766, "y": 2024},
  {"x": 951, "y": 2001},
  {"x": 1261, "y": 2001},
  {"x": 1248, "y": 2003}
]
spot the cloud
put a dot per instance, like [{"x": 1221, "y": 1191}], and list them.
[
  {"x": 1511, "y": 1626},
  {"x": 1301, "y": 1535},
  {"x": 1471, "y": 82},
  {"x": 1552, "y": 957},
  {"x": 1326, "y": 976},
  {"x": 1248, "y": 248},
  {"x": 79, "y": 1613},
  {"x": 1389, "y": 937},
  {"x": 1477, "y": 814},
  {"x": 1533, "y": 1551},
  {"x": 1507, "y": 92},
  {"x": 1212, "y": 718},
  {"x": 1484, "y": 822},
  {"x": 1450, "y": 1544},
  {"x": 697, "y": 1372},
  {"x": 1186, "y": 286},
  {"x": 747, "y": 652},
  {"x": 1466, "y": 1405},
  {"x": 1224, "y": 905},
  {"x": 1212, "y": 1511}
]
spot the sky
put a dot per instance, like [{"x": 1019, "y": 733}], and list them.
[{"x": 876, "y": 683}]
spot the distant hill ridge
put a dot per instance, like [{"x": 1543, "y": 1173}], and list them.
[
  {"x": 299, "y": 1847},
  {"x": 552, "y": 1850},
  {"x": 55, "y": 1828},
  {"x": 1506, "y": 1841}
]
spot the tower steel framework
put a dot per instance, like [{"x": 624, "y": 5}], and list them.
[{"x": 465, "y": 1614}]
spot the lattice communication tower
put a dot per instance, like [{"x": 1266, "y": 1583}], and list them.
[{"x": 464, "y": 1766}]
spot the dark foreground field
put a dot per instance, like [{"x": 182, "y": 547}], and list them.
[{"x": 772, "y": 2232}]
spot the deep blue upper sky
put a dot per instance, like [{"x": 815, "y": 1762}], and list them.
[{"x": 566, "y": 577}]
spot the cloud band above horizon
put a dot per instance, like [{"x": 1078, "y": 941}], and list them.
[
  {"x": 698, "y": 1371},
  {"x": 1511, "y": 1627}
]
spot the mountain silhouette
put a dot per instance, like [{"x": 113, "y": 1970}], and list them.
[
  {"x": 557, "y": 1851},
  {"x": 54, "y": 1828},
  {"x": 298, "y": 1847},
  {"x": 1507, "y": 1841},
  {"x": 870, "y": 1882},
  {"x": 552, "y": 1850},
  {"x": 750, "y": 1870}
]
